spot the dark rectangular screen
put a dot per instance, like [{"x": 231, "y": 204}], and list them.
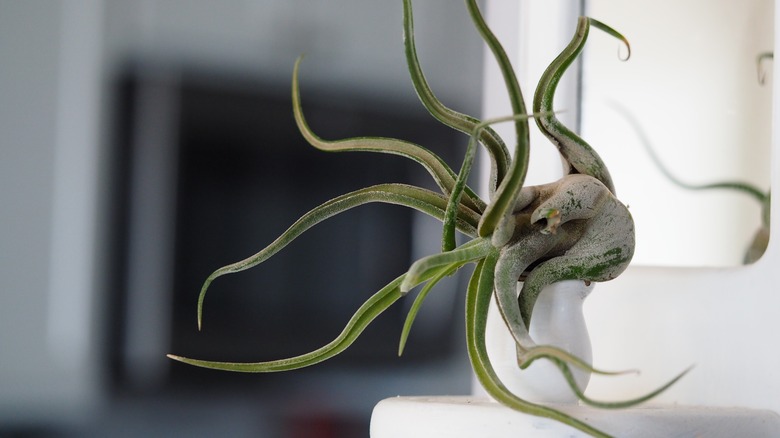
[{"x": 243, "y": 174}]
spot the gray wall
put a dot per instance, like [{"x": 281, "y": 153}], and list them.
[
  {"x": 59, "y": 59},
  {"x": 38, "y": 372}
]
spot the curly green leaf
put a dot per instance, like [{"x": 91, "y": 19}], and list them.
[
  {"x": 499, "y": 154},
  {"x": 526, "y": 358},
  {"x": 420, "y": 199},
  {"x": 580, "y": 155},
  {"x": 448, "y": 229},
  {"x": 372, "y": 308},
  {"x": 439, "y": 170},
  {"x": 508, "y": 190},
  {"x": 427, "y": 267},
  {"x": 567, "y": 374}
]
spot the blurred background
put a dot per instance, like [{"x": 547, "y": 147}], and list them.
[{"x": 145, "y": 144}]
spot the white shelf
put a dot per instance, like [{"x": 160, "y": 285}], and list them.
[{"x": 468, "y": 416}]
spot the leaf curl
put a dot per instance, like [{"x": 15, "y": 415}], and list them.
[
  {"x": 436, "y": 167},
  {"x": 497, "y": 150},
  {"x": 577, "y": 152},
  {"x": 423, "y": 200},
  {"x": 509, "y": 188},
  {"x": 526, "y": 358},
  {"x": 567, "y": 374},
  {"x": 372, "y": 308}
]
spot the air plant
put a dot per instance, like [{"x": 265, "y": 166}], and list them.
[{"x": 571, "y": 229}]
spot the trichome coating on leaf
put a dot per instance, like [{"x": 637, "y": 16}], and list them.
[{"x": 571, "y": 229}]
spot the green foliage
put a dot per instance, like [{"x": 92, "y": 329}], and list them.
[{"x": 574, "y": 228}]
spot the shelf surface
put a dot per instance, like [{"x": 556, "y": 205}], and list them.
[{"x": 469, "y": 416}]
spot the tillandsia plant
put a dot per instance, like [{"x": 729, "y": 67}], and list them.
[{"x": 571, "y": 229}]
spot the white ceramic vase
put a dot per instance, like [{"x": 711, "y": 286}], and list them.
[{"x": 557, "y": 320}]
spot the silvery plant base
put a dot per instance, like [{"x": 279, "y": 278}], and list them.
[{"x": 470, "y": 416}]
